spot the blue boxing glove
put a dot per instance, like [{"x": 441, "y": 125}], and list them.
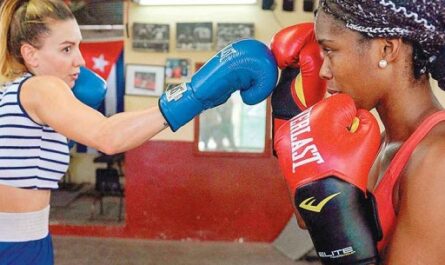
[
  {"x": 90, "y": 88},
  {"x": 246, "y": 65}
]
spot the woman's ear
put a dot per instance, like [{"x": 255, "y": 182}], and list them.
[
  {"x": 390, "y": 49},
  {"x": 29, "y": 55}
]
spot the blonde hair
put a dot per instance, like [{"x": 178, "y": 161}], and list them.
[{"x": 25, "y": 21}]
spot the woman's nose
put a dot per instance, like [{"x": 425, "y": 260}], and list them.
[
  {"x": 325, "y": 72},
  {"x": 79, "y": 61}
]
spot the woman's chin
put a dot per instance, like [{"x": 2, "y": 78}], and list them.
[{"x": 71, "y": 83}]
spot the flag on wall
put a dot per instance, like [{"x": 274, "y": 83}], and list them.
[{"x": 106, "y": 58}]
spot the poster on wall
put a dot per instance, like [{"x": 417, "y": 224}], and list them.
[
  {"x": 227, "y": 33},
  {"x": 194, "y": 36},
  {"x": 151, "y": 37}
]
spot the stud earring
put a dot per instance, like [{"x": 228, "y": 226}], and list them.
[{"x": 383, "y": 63}]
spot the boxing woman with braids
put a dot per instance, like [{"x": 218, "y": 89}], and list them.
[
  {"x": 368, "y": 198},
  {"x": 40, "y": 63}
]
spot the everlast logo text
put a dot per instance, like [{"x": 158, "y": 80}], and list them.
[{"x": 304, "y": 151}]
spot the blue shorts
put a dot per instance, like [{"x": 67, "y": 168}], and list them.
[{"x": 36, "y": 252}]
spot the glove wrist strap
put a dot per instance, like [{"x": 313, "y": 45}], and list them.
[{"x": 179, "y": 105}]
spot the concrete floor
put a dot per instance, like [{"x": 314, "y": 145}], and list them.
[
  {"x": 108, "y": 251},
  {"x": 82, "y": 207},
  {"x": 77, "y": 209}
]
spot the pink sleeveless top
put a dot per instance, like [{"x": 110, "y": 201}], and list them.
[{"x": 384, "y": 191}]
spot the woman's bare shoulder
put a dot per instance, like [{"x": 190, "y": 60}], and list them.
[
  {"x": 44, "y": 83},
  {"x": 420, "y": 230},
  {"x": 38, "y": 92},
  {"x": 427, "y": 163}
]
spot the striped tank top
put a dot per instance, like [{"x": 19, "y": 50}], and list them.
[{"x": 32, "y": 155}]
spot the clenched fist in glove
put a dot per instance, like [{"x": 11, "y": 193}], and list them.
[
  {"x": 298, "y": 55},
  {"x": 325, "y": 154},
  {"x": 295, "y": 47},
  {"x": 247, "y": 65}
]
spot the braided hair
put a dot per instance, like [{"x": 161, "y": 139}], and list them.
[{"x": 420, "y": 22}]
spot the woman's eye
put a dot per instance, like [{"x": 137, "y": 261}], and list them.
[
  {"x": 327, "y": 50},
  {"x": 67, "y": 49}
]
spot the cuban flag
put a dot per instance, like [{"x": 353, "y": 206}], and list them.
[{"x": 106, "y": 58}]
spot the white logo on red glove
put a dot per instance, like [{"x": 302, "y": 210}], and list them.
[{"x": 298, "y": 125}]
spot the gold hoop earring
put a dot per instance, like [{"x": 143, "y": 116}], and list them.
[{"x": 383, "y": 63}]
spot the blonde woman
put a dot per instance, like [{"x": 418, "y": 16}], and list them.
[{"x": 40, "y": 61}]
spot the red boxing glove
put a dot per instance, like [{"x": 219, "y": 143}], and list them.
[
  {"x": 331, "y": 138},
  {"x": 325, "y": 154},
  {"x": 296, "y": 47},
  {"x": 282, "y": 100},
  {"x": 298, "y": 55}
]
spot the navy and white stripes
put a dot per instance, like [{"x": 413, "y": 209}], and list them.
[{"x": 32, "y": 156}]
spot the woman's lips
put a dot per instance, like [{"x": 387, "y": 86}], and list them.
[{"x": 332, "y": 91}]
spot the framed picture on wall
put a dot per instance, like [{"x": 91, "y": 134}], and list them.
[
  {"x": 144, "y": 80},
  {"x": 177, "y": 68},
  {"x": 151, "y": 37},
  {"x": 194, "y": 36},
  {"x": 227, "y": 33}
]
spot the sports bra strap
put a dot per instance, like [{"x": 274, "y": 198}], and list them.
[{"x": 400, "y": 159}]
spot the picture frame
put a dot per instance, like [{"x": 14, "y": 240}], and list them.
[
  {"x": 144, "y": 80},
  {"x": 194, "y": 36},
  {"x": 227, "y": 33},
  {"x": 151, "y": 37},
  {"x": 177, "y": 68}
]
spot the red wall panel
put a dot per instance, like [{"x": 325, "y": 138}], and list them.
[{"x": 173, "y": 193}]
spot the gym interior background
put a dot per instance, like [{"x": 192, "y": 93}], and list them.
[
  {"x": 185, "y": 185},
  {"x": 176, "y": 186}
]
